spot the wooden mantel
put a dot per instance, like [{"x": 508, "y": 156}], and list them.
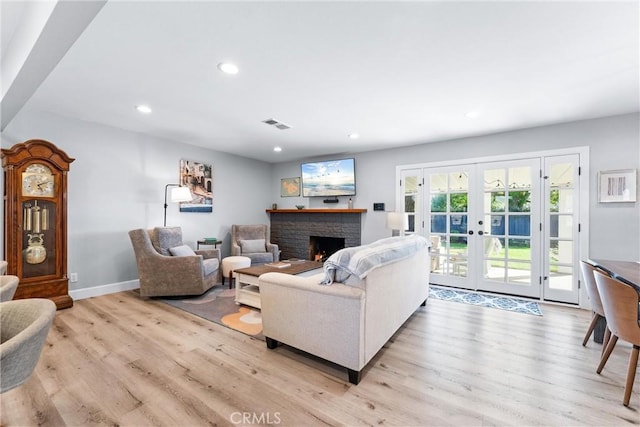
[{"x": 305, "y": 210}]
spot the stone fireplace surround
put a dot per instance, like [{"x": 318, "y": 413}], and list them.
[{"x": 291, "y": 229}]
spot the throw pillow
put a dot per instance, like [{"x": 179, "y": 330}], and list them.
[
  {"x": 253, "y": 246},
  {"x": 182, "y": 250},
  {"x": 163, "y": 238}
]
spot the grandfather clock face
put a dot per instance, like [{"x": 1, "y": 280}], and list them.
[
  {"x": 38, "y": 180},
  {"x": 38, "y": 187}
]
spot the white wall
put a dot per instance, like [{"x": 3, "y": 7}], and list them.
[
  {"x": 614, "y": 143},
  {"x": 117, "y": 184}
]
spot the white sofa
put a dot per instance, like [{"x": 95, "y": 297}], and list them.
[{"x": 347, "y": 322}]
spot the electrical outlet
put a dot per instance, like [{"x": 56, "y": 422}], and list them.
[{"x": 73, "y": 277}]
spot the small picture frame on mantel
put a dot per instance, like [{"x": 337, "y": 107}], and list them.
[{"x": 617, "y": 186}]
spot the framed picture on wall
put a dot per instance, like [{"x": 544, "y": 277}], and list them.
[
  {"x": 617, "y": 186},
  {"x": 199, "y": 178},
  {"x": 290, "y": 187}
]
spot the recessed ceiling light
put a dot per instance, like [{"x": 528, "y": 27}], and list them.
[
  {"x": 354, "y": 135},
  {"x": 228, "y": 68},
  {"x": 277, "y": 149},
  {"x": 472, "y": 114},
  {"x": 143, "y": 109}
]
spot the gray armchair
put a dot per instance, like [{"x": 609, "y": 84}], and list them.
[
  {"x": 8, "y": 286},
  {"x": 25, "y": 325},
  {"x": 253, "y": 241},
  {"x": 167, "y": 267}
]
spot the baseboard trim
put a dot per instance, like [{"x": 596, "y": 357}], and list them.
[{"x": 111, "y": 288}]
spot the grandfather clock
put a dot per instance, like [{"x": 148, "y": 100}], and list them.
[{"x": 35, "y": 219}]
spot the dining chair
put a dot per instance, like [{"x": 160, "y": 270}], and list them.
[
  {"x": 596, "y": 303},
  {"x": 621, "y": 303}
]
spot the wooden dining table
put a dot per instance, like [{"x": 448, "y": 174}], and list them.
[{"x": 626, "y": 271}]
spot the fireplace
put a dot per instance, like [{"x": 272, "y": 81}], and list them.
[
  {"x": 321, "y": 248},
  {"x": 291, "y": 229}
]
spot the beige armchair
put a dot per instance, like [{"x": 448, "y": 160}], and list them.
[
  {"x": 25, "y": 325},
  {"x": 253, "y": 241},
  {"x": 167, "y": 267},
  {"x": 8, "y": 286}
]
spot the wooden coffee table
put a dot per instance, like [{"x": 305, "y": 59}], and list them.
[{"x": 247, "y": 285}]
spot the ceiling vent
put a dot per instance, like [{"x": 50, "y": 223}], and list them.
[{"x": 277, "y": 124}]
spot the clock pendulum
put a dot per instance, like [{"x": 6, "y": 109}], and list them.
[{"x": 36, "y": 220}]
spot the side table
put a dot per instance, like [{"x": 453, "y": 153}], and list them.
[{"x": 205, "y": 242}]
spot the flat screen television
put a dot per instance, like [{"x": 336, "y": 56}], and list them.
[{"x": 329, "y": 178}]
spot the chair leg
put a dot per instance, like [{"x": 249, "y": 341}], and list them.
[
  {"x": 631, "y": 374},
  {"x": 230, "y": 278},
  {"x": 607, "y": 337},
  {"x": 607, "y": 352},
  {"x": 592, "y": 326}
]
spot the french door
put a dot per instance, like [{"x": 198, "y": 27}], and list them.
[{"x": 509, "y": 227}]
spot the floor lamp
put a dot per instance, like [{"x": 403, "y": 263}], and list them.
[{"x": 178, "y": 194}]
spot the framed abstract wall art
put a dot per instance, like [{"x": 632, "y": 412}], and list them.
[
  {"x": 290, "y": 187},
  {"x": 617, "y": 186},
  {"x": 199, "y": 178}
]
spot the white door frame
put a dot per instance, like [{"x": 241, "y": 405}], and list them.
[{"x": 583, "y": 179}]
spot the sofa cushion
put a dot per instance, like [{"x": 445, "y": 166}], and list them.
[
  {"x": 253, "y": 246},
  {"x": 182, "y": 250}
]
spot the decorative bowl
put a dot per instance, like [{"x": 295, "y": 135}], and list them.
[{"x": 300, "y": 206}]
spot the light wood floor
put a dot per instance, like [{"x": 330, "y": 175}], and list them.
[{"x": 120, "y": 360}]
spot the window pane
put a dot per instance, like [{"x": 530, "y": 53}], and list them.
[
  {"x": 561, "y": 278},
  {"x": 519, "y": 273},
  {"x": 458, "y": 181},
  {"x": 458, "y": 224},
  {"x": 561, "y": 175},
  {"x": 493, "y": 247},
  {"x": 438, "y": 203},
  {"x": 520, "y": 177},
  {"x": 438, "y": 223},
  {"x": 494, "y": 179},
  {"x": 497, "y": 201},
  {"x": 497, "y": 225},
  {"x": 438, "y": 183},
  {"x": 560, "y": 252},
  {"x": 410, "y": 203},
  {"x": 519, "y": 201},
  {"x": 519, "y": 225},
  {"x": 494, "y": 270},
  {"x": 519, "y": 249},
  {"x": 459, "y": 202},
  {"x": 561, "y": 226}
]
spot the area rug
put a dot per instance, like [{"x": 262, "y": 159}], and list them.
[
  {"x": 494, "y": 301},
  {"x": 218, "y": 305}
]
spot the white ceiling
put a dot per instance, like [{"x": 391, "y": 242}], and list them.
[{"x": 397, "y": 73}]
